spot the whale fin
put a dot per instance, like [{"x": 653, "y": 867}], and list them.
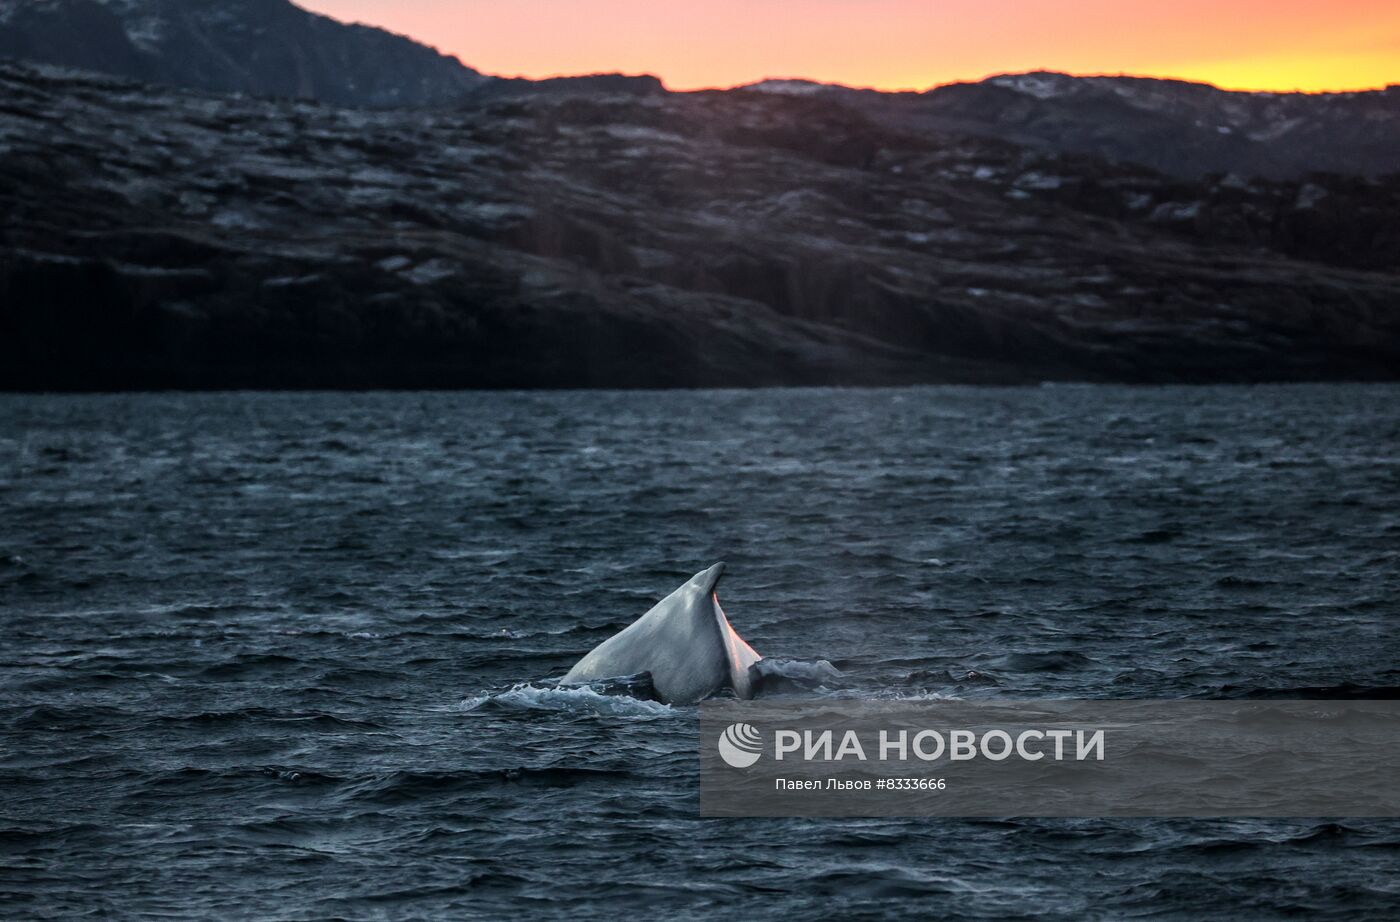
[
  {"x": 738, "y": 654},
  {"x": 684, "y": 641}
]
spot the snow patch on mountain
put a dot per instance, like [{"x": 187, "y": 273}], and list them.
[
  {"x": 788, "y": 87},
  {"x": 1039, "y": 85}
]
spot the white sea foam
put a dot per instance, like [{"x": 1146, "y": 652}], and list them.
[{"x": 581, "y": 699}]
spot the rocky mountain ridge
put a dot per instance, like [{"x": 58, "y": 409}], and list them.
[
  {"x": 274, "y": 48},
  {"x": 1175, "y": 126},
  {"x": 261, "y": 47},
  {"x": 611, "y": 238}
]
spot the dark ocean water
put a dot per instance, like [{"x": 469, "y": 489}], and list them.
[{"x": 286, "y": 655}]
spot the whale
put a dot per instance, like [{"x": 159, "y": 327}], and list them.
[{"x": 684, "y": 642}]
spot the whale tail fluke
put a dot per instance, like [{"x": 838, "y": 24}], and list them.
[{"x": 685, "y": 642}]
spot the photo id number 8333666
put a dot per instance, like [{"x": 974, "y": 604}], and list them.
[{"x": 910, "y": 784}]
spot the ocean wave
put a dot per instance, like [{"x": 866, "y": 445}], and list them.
[
  {"x": 820, "y": 670},
  {"x": 776, "y": 676},
  {"x": 264, "y": 715},
  {"x": 892, "y": 694},
  {"x": 582, "y": 699},
  {"x": 407, "y": 786},
  {"x": 1044, "y": 661}
]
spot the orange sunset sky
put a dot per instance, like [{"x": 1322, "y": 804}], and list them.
[{"x": 909, "y": 44}]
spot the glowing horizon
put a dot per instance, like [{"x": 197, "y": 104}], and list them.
[{"x": 1262, "y": 45}]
